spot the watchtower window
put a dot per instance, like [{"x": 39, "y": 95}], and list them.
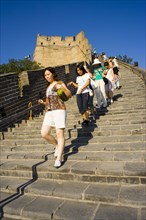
[
  {"x": 41, "y": 43},
  {"x": 54, "y": 43},
  {"x": 69, "y": 45}
]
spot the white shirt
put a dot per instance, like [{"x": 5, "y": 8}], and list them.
[
  {"x": 81, "y": 80},
  {"x": 115, "y": 62},
  {"x": 109, "y": 75}
]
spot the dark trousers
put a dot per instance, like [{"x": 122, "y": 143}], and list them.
[
  {"x": 82, "y": 102},
  {"x": 90, "y": 103}
]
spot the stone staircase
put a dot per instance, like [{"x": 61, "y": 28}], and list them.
[{"x": 104, "y": 172}]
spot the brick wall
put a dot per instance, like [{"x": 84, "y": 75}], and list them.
[
  {"x": 13, "y": 108},
  {"x": 9, "y": 92}
]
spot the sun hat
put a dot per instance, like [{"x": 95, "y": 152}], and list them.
[{"x": 96, "y": 61}]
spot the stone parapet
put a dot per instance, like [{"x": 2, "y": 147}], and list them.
[{"x": 54, "y": 50}]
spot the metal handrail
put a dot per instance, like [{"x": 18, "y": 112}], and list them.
[
  {"x": 12, "y": 119},
  {"x": 30, "y": 111}
]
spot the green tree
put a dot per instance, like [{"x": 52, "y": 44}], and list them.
[
  {"x": 125, "y": 58},
  {"x": 19, "y": 66}
]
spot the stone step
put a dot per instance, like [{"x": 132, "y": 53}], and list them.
[
  {"x": 93, "y": 192},
  {"x": 124, "y": 95},
  {"x": 102, "y": 115},
  {"x": 125, "y": 114},
  {"x": 103, "y": 175},
  {"x": 100, "y": 120},
  {"x": 112, "y": 109},
  {"x": 91, "y": 147},
  {"x": 77, "y": 133},
  {"x": 132, "y": 129},
  {"x": 132, "y": 172},
  {"x": 77, "y": 154},
  {"x": 80, "y": 139},
  {"x": 134, "y": 87},
  {"x": 28, "y": 207},
  {"x": 127, "y": 107},
  {"x": 139, "y": 94},
  {"x": 116, "y": 107},
  {"x": 95, "y": 121},
  {"x": 102, "y": 126},
  {"x": 123, "y": 105},
  {"x": 122, "y": 112},
  {"x": 100, "y": 130}
]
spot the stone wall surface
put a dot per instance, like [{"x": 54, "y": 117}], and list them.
[
  {"x": 103, "y": 173},
  {"x": 55, "y": 51},
  {"x": 32, "y": 86}
]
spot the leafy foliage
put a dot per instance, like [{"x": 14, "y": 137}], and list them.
[
  {"x": 19, "y": 66},
  {"x": 124, "y": 58}
]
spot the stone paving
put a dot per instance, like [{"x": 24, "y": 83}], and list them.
[{"x": 104, "y": 173}]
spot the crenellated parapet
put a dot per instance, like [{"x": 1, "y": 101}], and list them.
[{"x": 55, "y": 51}]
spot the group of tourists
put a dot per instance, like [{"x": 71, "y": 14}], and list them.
[{"x": 105, "y": 76}]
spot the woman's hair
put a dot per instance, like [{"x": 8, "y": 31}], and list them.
[
  {"x": 81, "y": 67},
  {"x": 52, "y": 70},
  {"x": 106, "y": 63}
]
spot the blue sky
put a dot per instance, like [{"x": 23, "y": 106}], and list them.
[{"x": 111, "y": 26}]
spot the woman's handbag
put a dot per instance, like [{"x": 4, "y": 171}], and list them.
[
  {"x": 105, "y": 80},
  {"x": 93, "y": 84},
  {"x": 62, "y": 95}
]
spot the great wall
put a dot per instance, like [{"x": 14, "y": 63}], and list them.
[
  {"x": 55, "y": 51},
  {"x": 104, "y": 174}
]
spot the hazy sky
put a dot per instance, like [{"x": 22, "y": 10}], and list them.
[{"x": 111, "y": 26}]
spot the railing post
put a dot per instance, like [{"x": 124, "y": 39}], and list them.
[{"x": 30, "y": 111}]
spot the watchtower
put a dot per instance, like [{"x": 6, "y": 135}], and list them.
[{"x": 54, "y": 50}]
